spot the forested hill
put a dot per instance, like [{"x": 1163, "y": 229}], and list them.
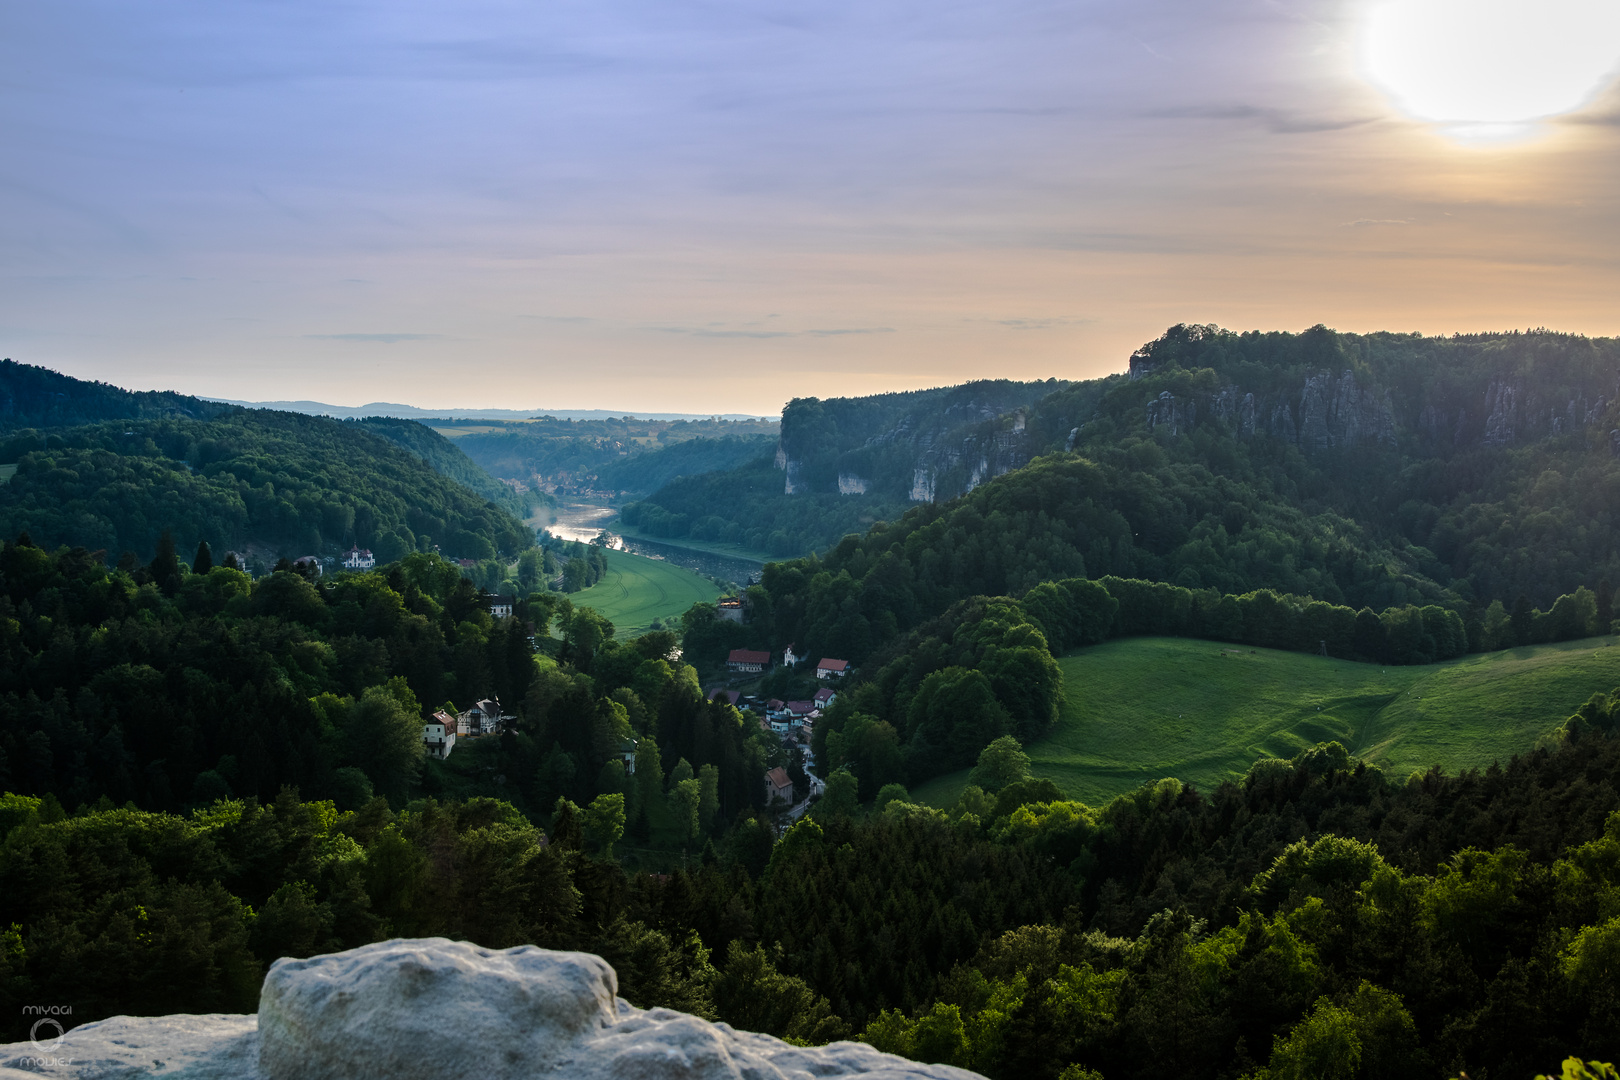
[
  {"x": 844, "y": 463},
  {"x": 289, "y": 483},
  {"x": 919, "y": 444},
  {"x": 36, "y": 397},
  {"x": 447, "y": 459}
]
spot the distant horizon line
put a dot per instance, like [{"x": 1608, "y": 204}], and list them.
[{"x": 396, "y": 411}]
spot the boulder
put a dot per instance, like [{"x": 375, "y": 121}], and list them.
[{"x": 431, "y": 1008}]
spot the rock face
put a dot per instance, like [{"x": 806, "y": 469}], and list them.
[{"x": 431, "y": 1008}]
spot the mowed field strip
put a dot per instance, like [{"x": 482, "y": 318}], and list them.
[
  {"x": 637, "y": 590},
  {"x": 1202, "y": 711}
]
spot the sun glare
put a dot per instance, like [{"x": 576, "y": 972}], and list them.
[{"x": 1478, "y": 65}]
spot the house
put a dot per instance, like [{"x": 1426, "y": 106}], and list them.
[
  {"x": 831, "y": 669},
  {"x": 501, "y": 605},
  {"x": 776, "y": 709},
  {"x": 790, "y": 656},
  {"x": 748, "y": 661},
  {"x": 359, "y": 558},
  {"x": 824, "y": 697},
  {"x": 798, "y": 710},
  {"x": 483, "y": 718},
  {"x": 730, "y": 608},
  {"x": 439, "y": 733},
  {"x": 627, "y": 754},
  {"x": 778, "y": 788},
  {"x": 730, "y": 697}
]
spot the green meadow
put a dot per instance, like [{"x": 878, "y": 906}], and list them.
[
  {"x": 7, "y": 472},
  {"x": 637, "y": 590},
  {"x": 1202, "y": 711}
]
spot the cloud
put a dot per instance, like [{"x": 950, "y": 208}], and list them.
[
  {"x": 1373, "y": 223},
  {"x": 1277, "y": 121},
  {"x": 704, "y": 331},
  {"x": 386, "y": 339}
]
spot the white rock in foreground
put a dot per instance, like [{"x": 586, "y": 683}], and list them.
[{"x": 431, "y": 1009}]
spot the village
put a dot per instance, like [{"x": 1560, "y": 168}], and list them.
[{"x": 792, "y": 720}]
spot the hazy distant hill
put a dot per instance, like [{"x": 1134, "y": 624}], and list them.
[
  {"x": 613, "y": 454},
  {"x": 412, "y": 412},
  {"x": 38, "y": 397}
]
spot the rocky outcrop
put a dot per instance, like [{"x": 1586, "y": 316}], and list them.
[
  {"x": 850, "y": 484},
  {"x": 433, "y": 1009},
  {"x": 1331, "y": 411}
]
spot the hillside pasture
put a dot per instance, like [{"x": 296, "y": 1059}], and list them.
[
  {"x": 637, "y": 590},
  {"x": 1201, "y": 711}
]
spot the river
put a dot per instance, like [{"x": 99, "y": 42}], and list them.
[{"x": 584, "y": 521}]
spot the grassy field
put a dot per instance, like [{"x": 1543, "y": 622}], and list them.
[
  {"x": 7, "y": 472},
  {"x": 637, "y": 590},
  {"x": 1145, "y": 708}
]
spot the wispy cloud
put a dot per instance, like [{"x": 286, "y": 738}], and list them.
[
  {"x": 1279, "y": 121},
  {"x": 1373, "y": 223},
  {"x": 385, "y": 339},
  {"x": 710, "y": 332}
]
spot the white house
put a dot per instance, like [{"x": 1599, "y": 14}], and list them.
[
  {"x": 831, "y": 669},
  {"x": 501, "y": 605},
  {"x": 439, "y": 733},
  {"x": 790, "y": 657},
  {"x": 359, "y": 558},
  {"x": 824, "y": 697}
]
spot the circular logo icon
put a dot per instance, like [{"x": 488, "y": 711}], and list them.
[{"x": 52, "y": 1042}]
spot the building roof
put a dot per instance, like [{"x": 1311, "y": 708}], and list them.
[
  {"x": 832, "y": 665},
  {"x": 774, "y": 703},
  {"x": 748, "y": 656},
  {"x": 492, "y": 708},
  {"x": 800, "y": 707},
  {"x": 442, "y": 717},
  {"x": 779, "y": 778},
  {"x": 730, "y": 696},
  {"x": 825, "y": 695}
]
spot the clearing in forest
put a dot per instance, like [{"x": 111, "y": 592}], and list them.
[{"x": 637, "y": 590}]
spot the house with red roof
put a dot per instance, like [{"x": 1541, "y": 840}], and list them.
[
  {"x": 748, "y": 661},
  {"x": 831, "y": 669}
]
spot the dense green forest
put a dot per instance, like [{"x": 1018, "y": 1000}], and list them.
[
  {"x": 36, "y": 397},
  {"x": 171, "y": 688},
  {"x": 746, "y": 506},
  {"x": 295, "y": 484},
  {"x": 447, "y": 459},
  {"x": 1316, "y": 919}
]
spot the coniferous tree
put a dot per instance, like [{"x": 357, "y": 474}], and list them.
[
  {"x": 204, "y": 561},
  {"x": 165, "y": 566}
]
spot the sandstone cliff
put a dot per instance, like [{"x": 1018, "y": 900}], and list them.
[{"x": 433, "y": 1009}]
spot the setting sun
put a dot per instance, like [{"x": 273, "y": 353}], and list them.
[{"x": 1475, "y": 62}]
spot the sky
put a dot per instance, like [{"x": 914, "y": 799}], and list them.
[{"x": 715, "y": 207}]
